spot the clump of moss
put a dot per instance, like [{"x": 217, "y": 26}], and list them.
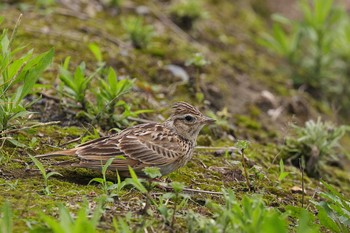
[{"x": 247, "y": 122}]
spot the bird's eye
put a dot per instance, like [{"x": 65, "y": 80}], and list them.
[{"x": 189, "y": 118}]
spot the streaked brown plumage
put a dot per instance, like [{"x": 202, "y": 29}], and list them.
[{"x": 168, "y": 145}]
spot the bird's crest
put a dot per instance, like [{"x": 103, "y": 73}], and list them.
[{"x": 180, "y": 108}]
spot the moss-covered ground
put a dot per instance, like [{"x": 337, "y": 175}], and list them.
[{"x": 232, "y": 83}]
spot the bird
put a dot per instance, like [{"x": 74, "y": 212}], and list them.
[{"x": 167, "y": 146}]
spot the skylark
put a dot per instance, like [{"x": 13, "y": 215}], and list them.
[{"x": 168, "y": 145}]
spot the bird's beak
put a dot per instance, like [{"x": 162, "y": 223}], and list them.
[{"x": 208, "y": 120}]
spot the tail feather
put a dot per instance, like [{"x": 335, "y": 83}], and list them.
[{"x": 70, "y": 152}]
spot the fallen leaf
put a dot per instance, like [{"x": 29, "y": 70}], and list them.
[{"x": 297, "y": 189}]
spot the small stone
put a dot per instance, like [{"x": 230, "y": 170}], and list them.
[
  {"x": 231, "y": 137},
  {"x": 266, "y": 100},
  {"x": 178, "y": 72},
  {"x": 142, "y": 10},
  {"x": 268, "y": 96}
]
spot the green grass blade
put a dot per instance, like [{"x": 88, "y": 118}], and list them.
[
  {"x": 135, "y": 181},
  {"x": 39, "y": 165},
  {"x": 6, "y": 222}
]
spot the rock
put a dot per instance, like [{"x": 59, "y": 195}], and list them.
[
  {"x": 266, "y": 101},
  {"x": 178, "y": 72}
]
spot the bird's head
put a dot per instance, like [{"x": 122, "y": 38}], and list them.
[{"x": 187, "y": 120}]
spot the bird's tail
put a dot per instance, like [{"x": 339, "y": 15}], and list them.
[{"x": 70, "y": 152}]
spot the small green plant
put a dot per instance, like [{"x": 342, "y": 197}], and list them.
[
  {"x": 315, "y": 143},
  {"x": 222, "y": 119},
  {"x": 241, "y": 146},
  {"x": 121, "y": 224},
  {"x": 248, "y": 215},
  {"x": 338, "y": 90},
  {"x": 186, "y": 12},
  {"x": 33, "y": 143},
  {"x": 128, "y": 112},
  {"x": 305, "y": 220},
  {"x": 110, "y": 189},
  {"x": 135, "y": 181},
  {"x": 179, "y": 199},
  {"x": 308, "y": 46},
  {"x": 18, "y": 77},
  {"x": 279, "y": 41},
  {"x": 146, "y": 188},
  {"x": 44, "y": 3},
  {"x": 46, "y": 176},
  {"x": 6, "y": 156},
  {"x": 198, "y": 61},
  {"x": 108, "y": 96},
  {"x": 102, "y": 108},
  {"x": 116, "y": 3},
  {"x": 6, "y": 215},
  {"x": 283, "y": 174},
  {"x": 12, "y": 185},
  {"x": 90, "y": 135},
  {"x": 342, "y": 46},
  {"x": 334, "y": 212},
  {"x": 152, "y": 172},
  {"x": 315, "y": 59},
  {"x": 74, "y": 85},
  {"x": 81, "y": 224},
  {"x": 96, "y": 51},
  {"x": 139, "y": 33}
]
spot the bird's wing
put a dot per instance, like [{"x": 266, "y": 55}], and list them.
[
  {"x": 105, "y": 147},
  {"x": 139, "y": 146},
  {"x": 148, "y": 151}
]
